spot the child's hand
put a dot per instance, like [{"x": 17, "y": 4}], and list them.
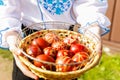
[
  {"x": 93, "y": 31},
  {"x": 12, "y": 40}
]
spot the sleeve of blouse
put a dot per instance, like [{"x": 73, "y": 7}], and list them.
[
  {"x": 88, "y": 12},
  {"x": 9, "y": 20}
]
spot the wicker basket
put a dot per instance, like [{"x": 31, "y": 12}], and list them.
[{"x": 88, "y": 39}]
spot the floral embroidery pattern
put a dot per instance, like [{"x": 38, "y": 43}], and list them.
[{"x": 56, "y": 6}]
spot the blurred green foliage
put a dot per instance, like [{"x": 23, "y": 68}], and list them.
[
  {"x": 6, "y": 54},
  {"x": 107, "y": 69}
]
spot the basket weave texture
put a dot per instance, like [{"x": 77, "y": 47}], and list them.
[{"x": 89, "y": 42}]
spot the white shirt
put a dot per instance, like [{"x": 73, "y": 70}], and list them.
[{"x": 13, "y": 13}]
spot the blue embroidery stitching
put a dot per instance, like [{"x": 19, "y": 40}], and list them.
[
  {"x": 1, "y": 2},
  {"x": 104, "y": 29},
  {"x": 1, "y": 34},
  {"x": 56, "y": 6}
]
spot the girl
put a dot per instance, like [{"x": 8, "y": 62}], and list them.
[{"x": 14, "y": 13}]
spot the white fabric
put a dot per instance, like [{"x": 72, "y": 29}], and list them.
[{"x": 15, "y": 12}]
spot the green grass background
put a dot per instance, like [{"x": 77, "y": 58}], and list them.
[
  {"x": 107, "y": 69},
  {"x": 6, "y": 54}
]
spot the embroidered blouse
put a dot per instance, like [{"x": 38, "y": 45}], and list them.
[{"x": 13, "y": 13}]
